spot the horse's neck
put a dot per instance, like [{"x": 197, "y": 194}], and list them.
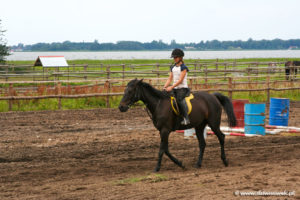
[{"x": 149, "y": 100}]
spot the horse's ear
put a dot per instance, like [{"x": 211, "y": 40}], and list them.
[{"x": 140, "y": 81}]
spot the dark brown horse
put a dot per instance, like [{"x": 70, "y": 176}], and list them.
[
  {"x": 207, "y": 109},
  {"x": 291, "y": 70}
]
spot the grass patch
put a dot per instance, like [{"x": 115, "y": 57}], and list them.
[
  {"x": 152, "y": 178},
  {"x": 290, "y": 134},
  {"x": 152, "y": 61},
  {"x": 52, "y": 104},
  {"x": 100, "y": 102}
]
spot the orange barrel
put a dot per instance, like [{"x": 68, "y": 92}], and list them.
[{"x": 238, "y": 108}]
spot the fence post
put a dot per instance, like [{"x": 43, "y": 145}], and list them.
[
  {"x": 123, "y": 74},
  {"x": 6, "y": 77},
  {"x": 249, "y": 84},
  {"x": 10, "y": 93},
  {"x": 217, "y": 65},
  {"x": 191, "y": 84},
  {"x": 68, "y": 72},
  {"x": 33, "y": 67},
  {"x": 268, "y": 89},
  {"x": 85, "y": 69},
  {"x": 230, "y": 87},
  {"x": 205, "y": 76},
  {"x": 59, "y": 93},
  {"x": 123, "y": 71},
  {"x": 108, "y": 71},
  {"x": 108, "y": 91},
  {"x": 225, "y": 73},
  {"x": 57, "y": 73},
  {"x": 157, "y": 68}
]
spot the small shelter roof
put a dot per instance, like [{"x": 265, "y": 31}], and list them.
[{"x": 51, "y": 61}]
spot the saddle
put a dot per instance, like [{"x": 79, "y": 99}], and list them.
[{"x": 175, "y": 105}]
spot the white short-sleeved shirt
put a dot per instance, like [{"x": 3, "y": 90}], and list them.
[{"x": 176, "y": 70}]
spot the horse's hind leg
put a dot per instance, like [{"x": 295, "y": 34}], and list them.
[
  {"x": 177, "y": 162},
  {"x": 221, "y": 137},
  {"x": 201, "y": 141},
  {"x": 164, "y": 148}
]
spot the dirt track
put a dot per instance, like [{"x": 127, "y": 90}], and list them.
[{"x": 105, "y": 154}]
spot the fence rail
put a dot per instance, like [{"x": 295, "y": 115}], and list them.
[{"x": 156, "y": 70}]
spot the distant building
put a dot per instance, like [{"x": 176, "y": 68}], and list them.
[
  {"x": 293, "y": 47},
  {"x": 190, "y": 48}
]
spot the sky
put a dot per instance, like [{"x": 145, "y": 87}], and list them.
[{"x": 33, "y": 21}]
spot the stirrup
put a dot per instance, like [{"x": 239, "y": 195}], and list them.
[{"x": 185, "y": 121}]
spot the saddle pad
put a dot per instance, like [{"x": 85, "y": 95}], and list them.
[{"x": 188, "y": 102}]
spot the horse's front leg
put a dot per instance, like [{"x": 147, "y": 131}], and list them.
[
  {"x": 202, "y": 143},
  {"x": 160, "y": 155},
  {"x": 164, "y": 148}
]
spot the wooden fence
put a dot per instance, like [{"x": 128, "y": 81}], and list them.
[{"x": 229, "y": 84}]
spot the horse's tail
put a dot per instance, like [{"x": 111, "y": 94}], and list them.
[{"x": 227, "y": 105}]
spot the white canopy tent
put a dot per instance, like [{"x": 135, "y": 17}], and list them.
[{"x": 51, "y": 61}]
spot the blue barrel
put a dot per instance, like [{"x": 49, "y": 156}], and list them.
[
  {"x": 255, "y": 119},
  {"x": 279, "y": 111}
]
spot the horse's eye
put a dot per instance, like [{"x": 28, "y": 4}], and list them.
[{"x": 130, "y": 91}]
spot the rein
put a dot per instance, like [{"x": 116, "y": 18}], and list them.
[{"x": 146, "y": 109}]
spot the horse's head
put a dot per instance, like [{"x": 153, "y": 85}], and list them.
[
  {"x": 131, "y": 95},
  {"x": 288, "y": 63}
]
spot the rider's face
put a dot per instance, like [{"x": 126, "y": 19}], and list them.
[{"x": 177, "y": 59}]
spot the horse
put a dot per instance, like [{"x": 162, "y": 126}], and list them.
[
  {"x": 206, "y": 110},
  {"x": 291, "y": 70}
]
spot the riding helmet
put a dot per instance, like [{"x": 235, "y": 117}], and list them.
[{"x": 177, "y": 53}]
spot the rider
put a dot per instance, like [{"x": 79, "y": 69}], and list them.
[{"x": 179, "y": 76}]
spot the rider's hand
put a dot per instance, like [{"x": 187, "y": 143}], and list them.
[{"x": 169, "y": 89}]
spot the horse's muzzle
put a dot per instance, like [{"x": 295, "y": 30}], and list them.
[{"x": 123, "y": 108}]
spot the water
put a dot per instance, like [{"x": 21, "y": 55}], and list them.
[{"x": 121, "y": 55}]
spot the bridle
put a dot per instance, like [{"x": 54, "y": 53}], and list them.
[
  {"x": 140, "y": 95},
  {"x": 135, "y": 98}
]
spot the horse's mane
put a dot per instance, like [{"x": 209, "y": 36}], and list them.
[
  {"x": 155, "y": 92},
  {"x": 288, "y": 63}
]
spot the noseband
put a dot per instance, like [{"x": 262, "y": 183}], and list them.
[{"x": 136, "y": 97}]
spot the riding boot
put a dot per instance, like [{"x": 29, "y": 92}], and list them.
[{"x": 184, "y": 112}]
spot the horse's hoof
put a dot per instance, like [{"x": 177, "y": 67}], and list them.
[
  {"x": 156, "y": 170},
  {"x": 225, "y": 163},
  {"x": 181, "y": 165},
  {"x": 197, "y": 166}
]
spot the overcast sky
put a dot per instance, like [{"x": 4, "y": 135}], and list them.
[{"x": 33, "y": 21}]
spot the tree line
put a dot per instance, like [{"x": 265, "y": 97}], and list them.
[
  {"x": 275, "y": 44},
  {"x": 4, "y": 49}
]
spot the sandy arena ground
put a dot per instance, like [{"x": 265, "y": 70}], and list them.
[{"x": 106, "y": 154}]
